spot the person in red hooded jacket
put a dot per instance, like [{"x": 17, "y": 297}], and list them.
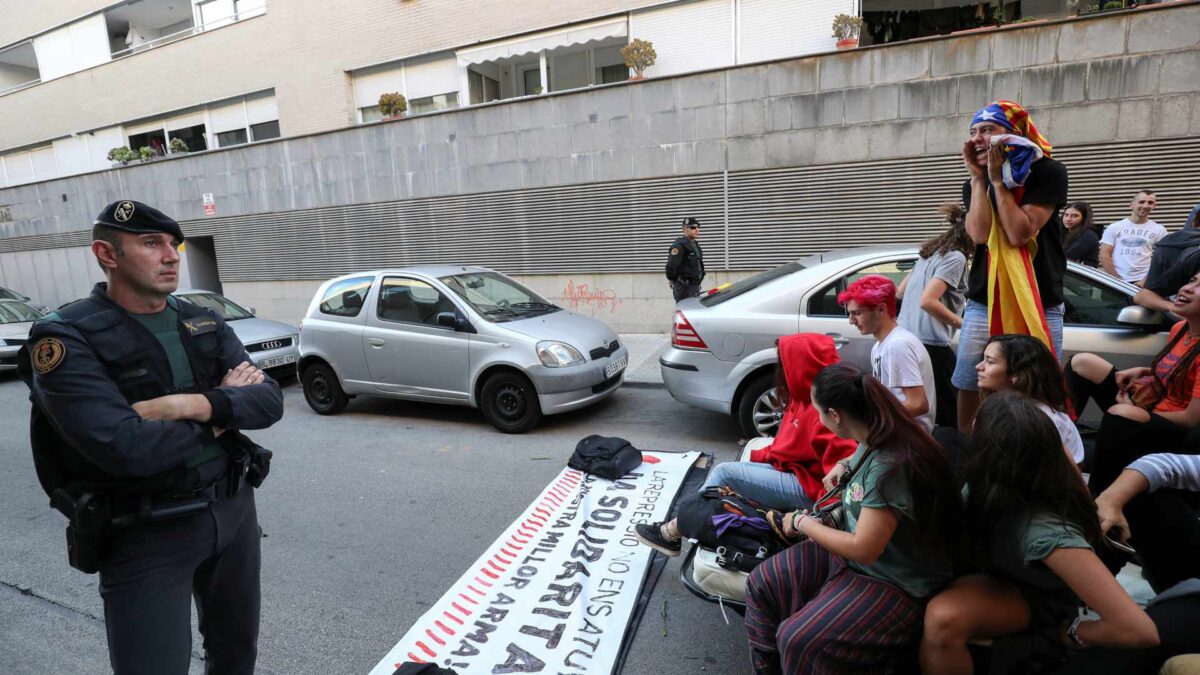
[{"x": 786, "y": 474}]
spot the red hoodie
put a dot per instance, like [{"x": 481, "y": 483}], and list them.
[{"x": 803, "y": 445}]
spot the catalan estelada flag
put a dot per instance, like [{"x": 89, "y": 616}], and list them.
[{"x": 1014, "y": 304}]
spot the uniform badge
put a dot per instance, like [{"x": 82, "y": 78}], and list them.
[
  {"x": 123, "y": 212},
  {"x": 674, "y": 250},
  {"x": 48, "y": 353}
]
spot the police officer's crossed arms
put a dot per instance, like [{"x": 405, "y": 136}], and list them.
[
  {"x": 685, "y": 262},
  {"x": 138, "y": 405}
]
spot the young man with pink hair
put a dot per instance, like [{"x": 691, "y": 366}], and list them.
[{"x": 898, "y": 359}]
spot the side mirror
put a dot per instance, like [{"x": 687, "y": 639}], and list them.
[
  {"x": 1137, "y": 316},
  {"x": 447, "y": 320},
  {"x": 253, "y": 312}
]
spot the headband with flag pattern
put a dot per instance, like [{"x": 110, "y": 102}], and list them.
[{"x": 1013, "y": 117}]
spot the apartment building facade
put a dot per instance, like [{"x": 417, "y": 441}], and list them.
[{"x": 574, "y": 187}]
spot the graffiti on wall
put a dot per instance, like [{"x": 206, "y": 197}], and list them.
[{"x": 584, "y": 295}]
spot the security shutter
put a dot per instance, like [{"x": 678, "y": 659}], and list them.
[
  {"x": 72, "y": 155},
  {"x": 370, "y": 85},
  {"x": 45, "y": 166},
  {"x": 687, "y": 36},
  {"x": 72, "y": 48},
  {"x": 185, "y": 121},
  {"x": 261, "y": 109},
  {"x": 775, "y": 29},
  {"x": 228, "y": 117},
  {"x": 427, "y": 77}
]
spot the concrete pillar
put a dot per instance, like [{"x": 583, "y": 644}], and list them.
[{"x": 542, "y": 71}]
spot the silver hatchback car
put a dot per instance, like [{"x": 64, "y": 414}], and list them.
[
  {"x": 459, "y": 335},
  {"x": 722, "y": 355}
]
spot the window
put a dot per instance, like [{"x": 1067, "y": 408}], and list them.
[
  {"x": 264, "y": 131},
  {"x": 193, "y": 137},
  {"x": 483, "y": 88},
  {"x": 532, "y": 81},
  {"x": 411, "y": 301},
  {"x": 228, "y": 138},
  {"x": 371, "y": 114},
  {"x": 750, "y": 283},
  {"x": 427, "y": 104},
  {"x": 1090, "y": 303},
  {"x": 346, "y": 297},
  {"x": 228, "y": 309},
  {"x": 155, "y": 140},
  {"x": 497, "y": 297},
  {"x": 607, "y": 74},
  {"x": 826, "y": 303}
]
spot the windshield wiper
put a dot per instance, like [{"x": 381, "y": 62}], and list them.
[{"x": 536, "y": 306}]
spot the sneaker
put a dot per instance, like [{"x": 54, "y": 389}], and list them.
[{"x": 652, "y": 536}]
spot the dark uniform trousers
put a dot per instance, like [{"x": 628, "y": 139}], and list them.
[
  {"x": 153, "y": 571},
  {"x": 685, "y": 288}
]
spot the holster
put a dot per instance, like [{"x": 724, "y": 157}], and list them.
[
  {"x": 87, "y": 530},
  {"x": 255, "y": 461}
]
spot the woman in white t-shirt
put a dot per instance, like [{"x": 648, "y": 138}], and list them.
[{"x": 1024, "y": 364}]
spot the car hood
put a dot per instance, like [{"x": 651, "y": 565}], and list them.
[
  {"x": 257, "y": 330},
  {"x": 583, "y": 333},
  {"x": 15, "y": 330}
]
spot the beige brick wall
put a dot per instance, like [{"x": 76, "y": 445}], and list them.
[{"x": 302, "y": 48}]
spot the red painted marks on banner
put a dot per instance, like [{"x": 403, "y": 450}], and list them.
[
  {"x": 650, "y": 459},
  {"x": 490, "y": 574},
  {"x": 427, "y": 650},
  {"x": 444, "y": 627},
  {"x": 455, "y": 619},
  {"x": 505, "y": 560},
  {"x": 481, "y": 582},
  {"x": 469, "y": 599},
  {"x": 461, "y": 610},
  {"x": 440, "y": 641},
  {"x": 476, "y": 591},
  {"x": 412, "y": 657},
  {"x": 495, "y": 566}
]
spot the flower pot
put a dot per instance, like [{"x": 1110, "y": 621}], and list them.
[{"x": 847, "y": 43}]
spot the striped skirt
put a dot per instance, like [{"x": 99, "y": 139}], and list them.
[{"x": 807, "y": 612}]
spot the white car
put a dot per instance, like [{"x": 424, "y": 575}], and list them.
[{"x": 16, "y": 318}]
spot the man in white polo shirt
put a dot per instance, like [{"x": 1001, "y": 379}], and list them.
[{"x": 1127, "y": 245}]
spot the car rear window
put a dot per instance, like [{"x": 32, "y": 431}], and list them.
[{"x": 749, "y": 283}]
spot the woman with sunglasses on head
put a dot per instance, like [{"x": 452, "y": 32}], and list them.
[
  {"x": 1148, "y": 409},
  {"x": 1032, "y": 533},
  {"x": 1025, "y": 365},
  {"x": 849, "y": 597}
]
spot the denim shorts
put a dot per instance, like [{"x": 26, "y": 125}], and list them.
[{"x": 974, "y": 336}]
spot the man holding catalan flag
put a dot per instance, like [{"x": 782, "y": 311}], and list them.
[{"x": 1015, "y": 282}]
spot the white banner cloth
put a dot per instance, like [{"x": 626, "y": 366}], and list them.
[{"x": 555, "y": 592}]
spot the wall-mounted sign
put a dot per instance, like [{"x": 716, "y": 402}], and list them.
[{"x": 210, "y": 205}]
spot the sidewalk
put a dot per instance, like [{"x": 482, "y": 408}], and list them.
[{"x": 644, "y": 350}]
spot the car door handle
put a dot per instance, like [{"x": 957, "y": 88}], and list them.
[
  {"x": 375, "y": 342},
  {"x": 838, "y": 340}
]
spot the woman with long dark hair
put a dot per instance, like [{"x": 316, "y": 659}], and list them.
[
  {"x": 1148, "y": 409},
  {"x": 1082, "y": 243},
  {"x": 936, "y": 289},
  {"x": 1032, "y": 533},
  {"x": 849, "y": 596}
]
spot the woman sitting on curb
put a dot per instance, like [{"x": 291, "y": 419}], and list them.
[
  {"x": 848, "y": 598},
  {"x": 1032, "y": 532},
  {"x": 787, "y": 473}
]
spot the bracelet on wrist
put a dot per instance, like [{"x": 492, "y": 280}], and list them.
[{"x": 1073, "y": 634}]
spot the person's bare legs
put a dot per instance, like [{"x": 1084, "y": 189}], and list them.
[
  {"x": 968, "y": 406},
  {"x": 975, "y": 606},
  {"x": 1091, "y": 367}
]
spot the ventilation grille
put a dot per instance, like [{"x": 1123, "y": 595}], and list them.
[{"x": 601, "y": 352}]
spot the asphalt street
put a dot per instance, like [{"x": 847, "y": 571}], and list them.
[{"x": 369, "y": 517}]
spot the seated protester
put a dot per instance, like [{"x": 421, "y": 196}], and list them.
[
  {"x": 1148, "y": 505},
  {"x": 935, "y": 288},
  {"x": 849, "y": 598},
  {"x": 1032, "y": 532},
  {"x": 1148, "y": 409},
  {"x": 1025, "y": 365},
  {"x": 898, "y": 359},
  {"x": 786, "y": 474},
  {"x": 1176, "y": 258}
]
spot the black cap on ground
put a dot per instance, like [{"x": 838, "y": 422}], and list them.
[{"x": 138, "y": 218}]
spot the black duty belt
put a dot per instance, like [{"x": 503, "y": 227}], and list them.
[{"x": 129, "y": 510}]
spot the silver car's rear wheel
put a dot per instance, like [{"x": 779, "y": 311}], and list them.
[{"x": 759, "y": 412}]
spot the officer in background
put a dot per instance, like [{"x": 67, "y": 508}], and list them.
[
  {"x": 685, "y": 264},
  {"x": 138, "y": 402}
]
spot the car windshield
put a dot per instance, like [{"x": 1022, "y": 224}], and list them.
[
  {"x": 6, "y": 294},
  {"x": 17, "y": 312},
  {"x": 497, "y": 297},
  {"x": 218, "y": 303},
  {"x": 748, "y": 284}
]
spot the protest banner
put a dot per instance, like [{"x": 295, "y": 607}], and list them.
[{"x": 555, "y": 593}]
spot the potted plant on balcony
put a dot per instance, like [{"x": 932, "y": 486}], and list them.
[
  {"x": 146, "y": 153},
  {"x": 122, "y": 155},
  {"x": 846, "y": 29},
  {"x": 392, "y": 104},
  {"x": 178, "y": 146},
  {"x": 639, "y": 55}
]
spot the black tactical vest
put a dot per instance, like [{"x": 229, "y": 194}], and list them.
[{"x": 138, "y": 365}]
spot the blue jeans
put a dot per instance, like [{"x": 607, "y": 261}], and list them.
[
  {"x": 760, "y": 482},
  {"x": 974, "y": 336}
]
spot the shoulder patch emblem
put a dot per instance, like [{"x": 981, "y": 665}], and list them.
[
  {"x": 48, "y": 354},
  {"x": 674, "y": 250}
]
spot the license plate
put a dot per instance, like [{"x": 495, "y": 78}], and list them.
[
  {"x": 277, "y": 361},
  {"x": 615, "y": 367}
]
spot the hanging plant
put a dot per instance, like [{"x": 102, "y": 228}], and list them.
[
  {"x": 177, "y": 146},
  {"x": 122, "y": 155},
  {"x": 146, "y": 153},
  {"x": 392, "y": 104},
  {"x": 639, "y": 55}
]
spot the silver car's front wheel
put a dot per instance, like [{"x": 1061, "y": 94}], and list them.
[{"x": 759, "y": 412}]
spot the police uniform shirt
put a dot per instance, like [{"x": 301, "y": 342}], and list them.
[{"x": 686, "y": 260}]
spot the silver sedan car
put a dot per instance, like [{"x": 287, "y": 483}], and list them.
[
  {"x": 722, "y": 355},
  {"x": 16, "y": 318},
  {"x": 273, "y": 346},
  {"x": 459, "y": 335}
]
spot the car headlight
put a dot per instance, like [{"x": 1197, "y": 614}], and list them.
[{"x": 558, "y": 354}]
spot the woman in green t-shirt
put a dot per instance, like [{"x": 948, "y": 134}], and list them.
[
  {"x": 849, "y": 597},
  {"x": 1035, "y": 531}
]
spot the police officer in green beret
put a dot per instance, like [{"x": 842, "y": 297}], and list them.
[
  {"x": 685, "y": 263},
  {"x": 139, "y": 401}
]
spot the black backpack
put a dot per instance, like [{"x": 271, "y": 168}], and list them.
[
  {"x": 748, "y": 537},
  {"x": 605, "y": 456}
]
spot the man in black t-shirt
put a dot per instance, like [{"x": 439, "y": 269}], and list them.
[
  {"x": 1176, "y": 259},
  {"x": 1028, "y": 212}
]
